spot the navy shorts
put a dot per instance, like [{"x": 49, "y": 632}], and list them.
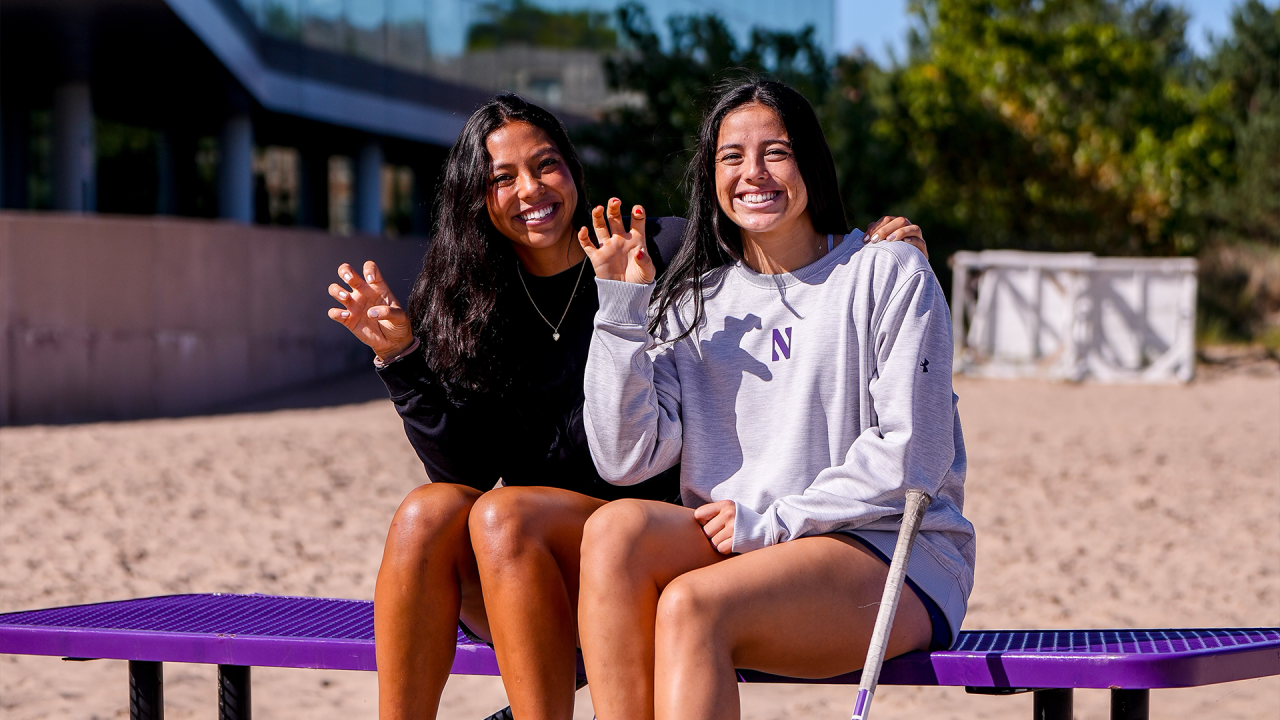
[{"x": 941, "y": 628}]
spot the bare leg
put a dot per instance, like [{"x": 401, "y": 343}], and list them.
[
  {"x": 804, "y": 608},
  {"x": 428, "y": 579},
  {"x": 527, "y": 542},
  {"x": 655, "y": 594},
  {"x": 631, "y": 549}
]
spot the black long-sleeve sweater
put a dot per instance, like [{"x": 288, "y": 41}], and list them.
[{"x": 531, "y": 431}]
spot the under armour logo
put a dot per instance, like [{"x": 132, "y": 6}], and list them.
[{"x": 924, "y": 365}]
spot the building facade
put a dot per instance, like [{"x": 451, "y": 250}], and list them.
[
  {"x": 180, "y": 179},
  {"x": 330, "y": 114}
]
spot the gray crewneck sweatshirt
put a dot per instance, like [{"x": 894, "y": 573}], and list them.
[{"x": 811, "y": 399}]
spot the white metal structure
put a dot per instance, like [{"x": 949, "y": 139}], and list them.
[{"x": 1073, "y": 316}]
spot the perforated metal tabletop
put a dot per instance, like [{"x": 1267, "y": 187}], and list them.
[{"x": 302, "y": 632}]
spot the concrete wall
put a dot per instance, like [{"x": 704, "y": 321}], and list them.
[{"x": 117, "y": 318}]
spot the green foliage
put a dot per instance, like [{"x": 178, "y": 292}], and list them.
[
  {"x": 1240, "y": 267},
  {"x": 1068, "y": 125},
  {"x": 281, "y": 20},
  {"x": 521, "y": 22},
  {"x": 1246, "y": 205},
  {"x": 639, "y": 150},
  {"x": 1036, "y": 124},
  {"x": 875, "y": 167}
]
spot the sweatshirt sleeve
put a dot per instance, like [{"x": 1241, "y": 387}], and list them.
[
  {"x": 436, "y": 428},
  {"x": 909, "y": 442},
  {"x": 632, "y": 410}
]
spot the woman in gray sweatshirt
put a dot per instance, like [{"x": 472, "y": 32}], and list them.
[{"x": 802, "y": 380}]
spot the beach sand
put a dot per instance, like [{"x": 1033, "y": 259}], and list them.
[{"x": 1096, "y": 506}]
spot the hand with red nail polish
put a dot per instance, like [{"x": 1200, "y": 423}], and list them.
[{"x": 616, "y": 253}]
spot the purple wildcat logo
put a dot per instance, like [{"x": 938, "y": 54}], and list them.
[{"x": 781, "y": 346}]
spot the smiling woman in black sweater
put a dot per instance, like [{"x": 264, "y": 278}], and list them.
[{"x": 486, "y": 370}]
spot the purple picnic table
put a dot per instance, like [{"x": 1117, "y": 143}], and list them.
[{"x": 237, "y": 632}]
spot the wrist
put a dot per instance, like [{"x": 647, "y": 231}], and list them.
[
  {"x": 387, "y": 357},
  {"x": 622, "y": 302}
]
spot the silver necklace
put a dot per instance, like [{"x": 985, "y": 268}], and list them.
[{"x": 555, "y": 329}]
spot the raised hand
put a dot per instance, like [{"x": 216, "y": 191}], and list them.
[
  {"x": 370, "y": 311},
  {"x": 890, "y": 229},
  {"x": 620, "y": 255}
]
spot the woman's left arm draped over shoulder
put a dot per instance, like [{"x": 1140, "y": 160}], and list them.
[
  {"x": 632, "y": 409},
  {"x": 911, "y": 439}
]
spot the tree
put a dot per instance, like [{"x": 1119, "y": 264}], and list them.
[
  {"x": 638, "y": 151},
  {"x": 1246, "y": 204},
  {"x": 521, "y": 22},
  {"x": 1240, "y": 268},
  {"x": 1058, "y": 125}
]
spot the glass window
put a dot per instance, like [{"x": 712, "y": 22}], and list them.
[
  {"x": 366, "y": 22},
  {"x": 553, "y": 50}
]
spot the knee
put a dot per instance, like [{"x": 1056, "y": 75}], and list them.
[
  {"x": 613, "y": 537},
  {"x": 689, "y": 611},
  {"x": 504, "y": 522},
  {"x": 429, "y": 516}
]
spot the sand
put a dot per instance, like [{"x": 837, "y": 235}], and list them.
[{"x": 1096, "y": 506}]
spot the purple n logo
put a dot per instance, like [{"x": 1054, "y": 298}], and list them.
[{"x": 781, "y": 345}]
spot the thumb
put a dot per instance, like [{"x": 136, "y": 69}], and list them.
[
  {"x": 584, "y": 239},
  {"x": 644, "y": 266},
  {"x": 391, "y": 315}
]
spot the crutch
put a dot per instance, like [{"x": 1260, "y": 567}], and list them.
[{"x": 917, "y": 503}]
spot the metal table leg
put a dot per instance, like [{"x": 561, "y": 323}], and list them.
[
  {"x": 1053, "y": 704},
  {"x": 234, "y": 697},
  {"x": 146, "y": 690},
  {"x": 1130, "y": 704}
]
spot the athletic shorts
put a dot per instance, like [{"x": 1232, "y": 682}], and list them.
[
  {"x": 941, "y": 628},
  {"x": 941, "y": 639}
]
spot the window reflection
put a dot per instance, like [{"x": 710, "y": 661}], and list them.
[{"x": 551, "y": 50}]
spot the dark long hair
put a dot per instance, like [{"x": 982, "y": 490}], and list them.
[
  {"x": 711, "y": 239},
  {"x": 454, "y": 305}
]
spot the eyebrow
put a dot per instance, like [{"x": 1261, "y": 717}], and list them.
[
  {"x": 730, "y": 146},
  {"x": 538, "y": 157}
]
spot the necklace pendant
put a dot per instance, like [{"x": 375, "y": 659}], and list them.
[{"x": 555, "y": 336}]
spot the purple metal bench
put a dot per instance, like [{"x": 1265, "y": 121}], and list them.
[{"x": 237, "y": 632}]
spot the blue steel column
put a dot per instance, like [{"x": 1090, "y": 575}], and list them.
[
  {"x": 74, "y": 181},
  {"x": 235, "y": 170},
  {"x": 368, "y": 190}
]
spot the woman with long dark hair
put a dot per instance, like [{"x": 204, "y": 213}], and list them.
[
  {"x": 803, "y": 382},
  {"x": 486, "y": 370}
]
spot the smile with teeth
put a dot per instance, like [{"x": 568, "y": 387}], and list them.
[
  {"x": 537, "y": 214},
  {"x": 759, "y": 198}
]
